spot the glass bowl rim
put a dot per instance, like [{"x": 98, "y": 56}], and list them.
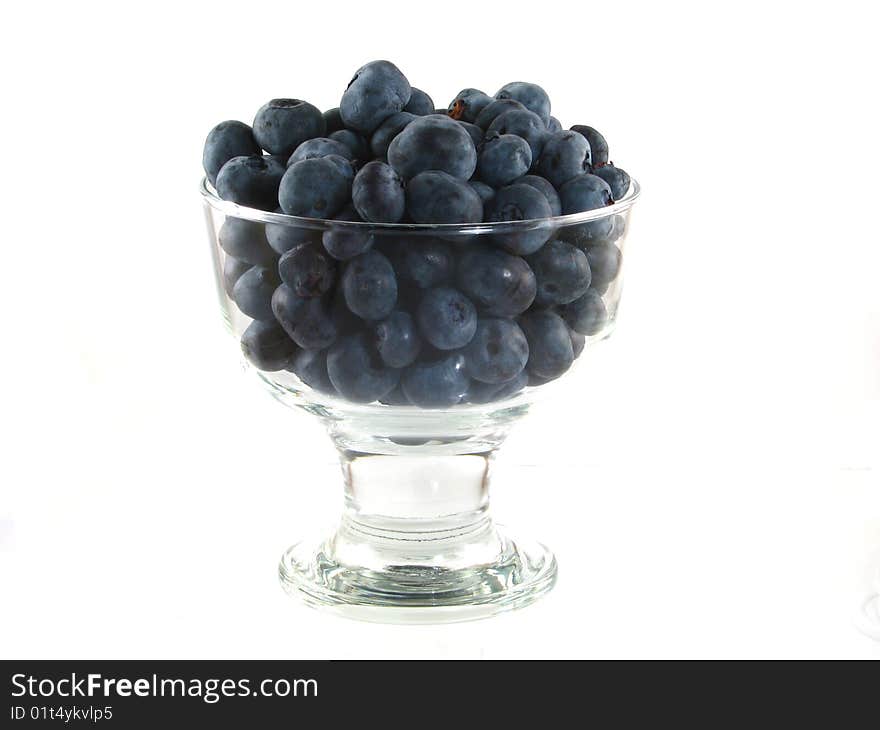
[{"x": 254, "y": 214}]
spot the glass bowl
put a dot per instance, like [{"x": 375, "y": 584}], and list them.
[{"x": 416, "y": 542}]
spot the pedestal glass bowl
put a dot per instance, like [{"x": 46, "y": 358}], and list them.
[{"x": 416, "y": 541}]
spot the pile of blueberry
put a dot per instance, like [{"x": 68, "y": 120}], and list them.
[{"x": 425, "y": 321}]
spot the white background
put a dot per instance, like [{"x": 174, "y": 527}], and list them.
[{"x": 709, "y": 481}]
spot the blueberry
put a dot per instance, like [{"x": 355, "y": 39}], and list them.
[
  {"x": 433, "y": 143},
  {"x": 369, "y": 286},
  {"x": 319, "y": 147},
  {"x": 419, "y": 103},
  {"x": 315, "y": 188},
  {"x": 281, "y": 125},
  {"x": 553, "y": 125},
  {"x": 343, "y": 243},
  {"x": 308, "y": 270},
  {"x": 503, "y": 158},
  {"x": 252, "y": 181},
  {"x": 267, "y": 346},
  {"x": 522, "y": 123},
  {"x": 315, "y": 329},
  {"x": 517, "y": 203},
  {"x": 496, "y": 108},
  {"x": 333, "y": 120},
  {"x": 562, "y": 272},
  {"x": 437, "y": 383},
  {"x": 387, "y": 131},
  {"x": 245, "y": 240},
  {"x": 378, "y": 194},
  {"x": 546, "y": 187},
  {"x": 616, "y": 177},
  {"x": 474, "y": 131},
  {"x": 479, "y": 393},
  {"x": 357, "y": 372},
  {"x": 590, "y": 233},
  {"x": 279, "y": 159},
  {"x": 531, "y": 96},
  {"x": 578, "y": 343},
  {"x": 357, "y": 145},
  {"x": 346, "y": 321},
  {"x": 377, "y": 91},
  {"x": 584, "y": 192},
  {"x": 501, "y": 285},
  {"x": 598, "y": 145},
  {"x": 536, "y": 380},
  {"x": 498, "y": 351},
  {"x": 227, "y": 140},
  {"x": 424, "y": 263},
  {"x": 564, "y": 156},
  {"x": 550, "y": 350},
  {"x": 282, "y": 237},
  {"x": 604, "y": 261},
  {"x": 586, "y": 315},
  {"x": 232, "y": 271},
  {"x": 512, "y": 387},
  {"x": 344, "y": 165},
  {"x": 447, "y": 318},
  {"x": 468, "y": 103},
  {"x": 437, "y": 197},
  {"x": 486, "y": 192},
  {"x": 310, "y": 366},
  {"x": 252, "y": 292},
  {"x": 397, "y": 340},
  {"x": 288, "y": 308}
]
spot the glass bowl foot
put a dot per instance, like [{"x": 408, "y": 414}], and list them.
[
  {"x": 379, "y": 589},
  {"x": 869, "y": 617},
  {"x": 869, "y": 613}
]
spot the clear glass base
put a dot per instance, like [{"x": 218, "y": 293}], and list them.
[
  {"x": 869, "y": 618},
  {"x": 410, "y": 593},
  {"x": 416, "y": 544},
  {"x": 869, "y": 614}
]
